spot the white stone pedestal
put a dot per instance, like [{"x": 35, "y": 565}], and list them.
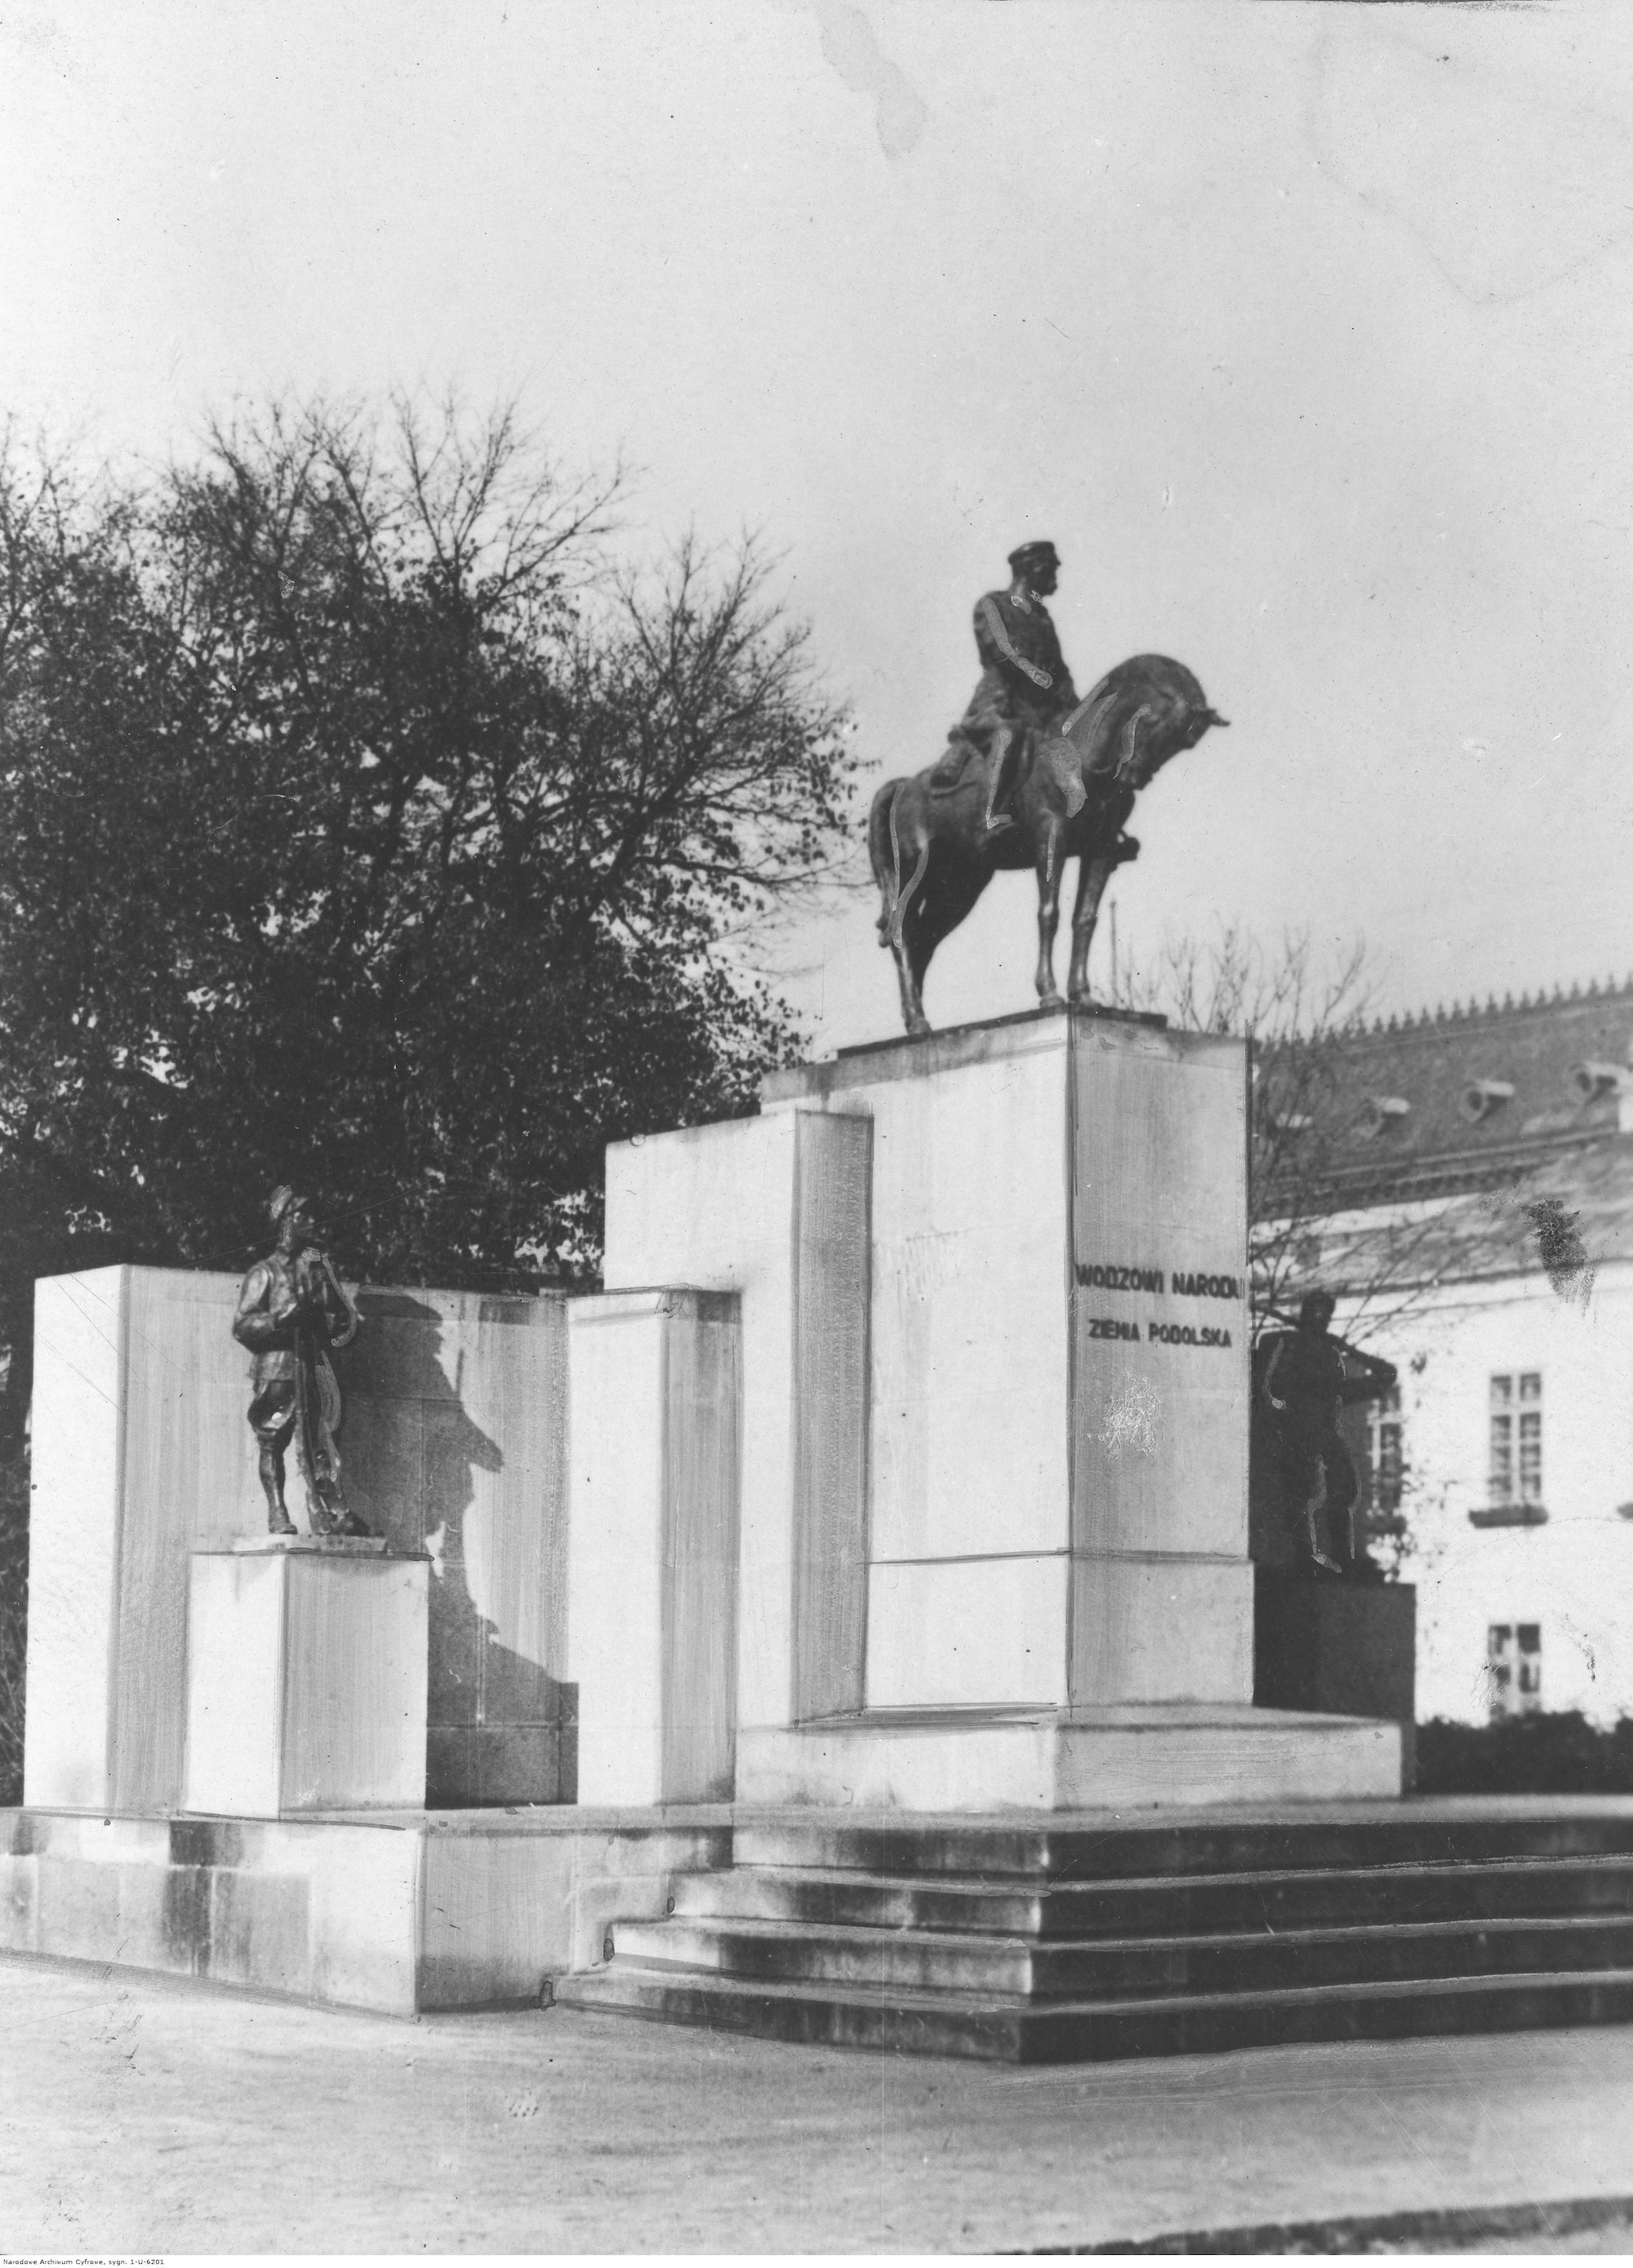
[
  {"x": 996, "y": 1395},
  {"x": 306, "y": 1678}
]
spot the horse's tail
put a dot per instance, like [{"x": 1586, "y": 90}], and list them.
[{"x": 885, "y": 852}]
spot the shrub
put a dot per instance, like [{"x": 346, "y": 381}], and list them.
[{"x": 1558, "y": 1754}]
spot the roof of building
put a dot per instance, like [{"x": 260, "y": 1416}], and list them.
[{"x": 1499, "y": 1107}]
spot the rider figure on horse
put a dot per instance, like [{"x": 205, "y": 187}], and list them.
[{"x": 1025, "y": 687}]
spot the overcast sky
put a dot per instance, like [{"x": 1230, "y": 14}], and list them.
[{"x": 1304, "y": 329}]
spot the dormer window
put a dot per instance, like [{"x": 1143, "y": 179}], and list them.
[
  {"x": 1380, "y": 1113},
  {"x": 1483, "y": 1096}
]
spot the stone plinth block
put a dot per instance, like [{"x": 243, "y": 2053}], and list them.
[
  {"x": 1350, "y": 1647},
  {"x": 307, "y": 1681},
  {"x": 1106, "y": 1759},
  {"x": 1058, "y": 1362},
  {"x": 654, "y": 1422}
]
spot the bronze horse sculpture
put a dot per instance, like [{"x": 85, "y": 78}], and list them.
[{"x": 933, "y": 854}]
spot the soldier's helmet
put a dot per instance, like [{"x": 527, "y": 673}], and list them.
[
  {"x": 1027, "y": 556},
  {"x": 281, "y": 1201}
]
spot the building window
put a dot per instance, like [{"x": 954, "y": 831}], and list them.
[
  {"x": 1383, "y": 1453},
  {"x": 1516, "y": 1438},
  {"x": 1514, "y": 1668}
]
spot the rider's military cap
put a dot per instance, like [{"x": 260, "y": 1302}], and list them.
[{"x": 1033, "y": 554}]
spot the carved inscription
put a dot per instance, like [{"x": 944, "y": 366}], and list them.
[
  {"x": 1185, "y": 1284},
  {"x": 1183, "y": 1335},
  {"x": 1107, "y": 1278},
  {"x": 1206, "y": 1287},
  {"x": 1182, "y": 1283}
]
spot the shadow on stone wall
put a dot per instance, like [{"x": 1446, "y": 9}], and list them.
[{"x": 502, "y": 1729}]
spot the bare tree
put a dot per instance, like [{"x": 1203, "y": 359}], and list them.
[{"x": 1306, "y": 1222}]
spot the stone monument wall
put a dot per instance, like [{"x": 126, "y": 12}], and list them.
[{"x": 454, "y": 1442}]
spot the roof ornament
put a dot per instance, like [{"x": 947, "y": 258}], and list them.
[
  {"x": 1380, "y": 1113},
  {"x": 1483, "y": 1096},
  {"x": 1592, "y": 1081}
]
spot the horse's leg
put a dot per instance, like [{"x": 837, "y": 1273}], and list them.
[
  {"x": 950, "y": 888},
  {"x": 914, "y": 843},
  {"x": 1051, "y": 859},
  {"x": 883, "y": 853},
  {"x": 921, "y": 935},
  {"x": 913, "y": 1017},
  {"x": 1092, "y": 876}
]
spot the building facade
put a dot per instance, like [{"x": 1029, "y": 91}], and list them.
[{"x": 1472, "y": 1205}]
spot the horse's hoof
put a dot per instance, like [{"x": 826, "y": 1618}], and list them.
[
  {"x": 1083, "y": 999},
  {"x": 1050, "y": 1000},
  {"x": 918, "y": 1028}
]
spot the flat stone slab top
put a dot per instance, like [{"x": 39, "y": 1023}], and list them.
[{"x": 340, "y": 1547}]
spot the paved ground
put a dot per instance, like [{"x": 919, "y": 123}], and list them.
[{"x": 138, "y": 2114}]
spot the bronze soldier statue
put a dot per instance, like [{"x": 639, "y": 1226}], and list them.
[
  {"x": 290, "y": 1312},
  {"x": 1025, "y": 684},
  {"x": 1304, "y": 1391}
]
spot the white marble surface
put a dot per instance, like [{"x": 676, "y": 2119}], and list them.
[
  {"x": 970, "y": 1354},
  {"x": 714, "y": 1206},
  {"x": 966, "y": 1632},
  {"x": 73, "y": 1539},
  {"x": 616, "y": 1494},
  {"x": 1166, "y": 1628},
  {"x": 236, "y": 1662},
  {"x": 1008, "y": 1421},
  {"x": 1121, "y": 1759},
  {"x": 306, "y": 1684},
  {"x": 1159, "y": 1452},
  {"x": 652, "y": 1493}
]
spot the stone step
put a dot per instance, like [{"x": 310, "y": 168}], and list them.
[
  {"x": 1306, "y": 1897},
  {"x": 936, "y": 1960},
  {"x": 1009, "y": 2028},
  {"x": 1222, "y": 1843}
]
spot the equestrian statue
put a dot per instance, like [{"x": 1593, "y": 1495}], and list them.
[{"x": 1032, "y": 776}]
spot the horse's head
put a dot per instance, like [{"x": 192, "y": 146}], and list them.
[{"x": 1138, "y": 717}]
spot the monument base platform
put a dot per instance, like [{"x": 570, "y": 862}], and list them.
[
  {"x": 1065, "y": 1937},
  {"x": 1083, "y": 1937},
  {"x": 402, "y": 1912},
  {"x": 1130, "y": 1756}
]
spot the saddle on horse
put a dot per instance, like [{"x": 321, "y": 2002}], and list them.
[
  {"x": 1007, "y": 747},
  {"x": 1025, "y": 688}
]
